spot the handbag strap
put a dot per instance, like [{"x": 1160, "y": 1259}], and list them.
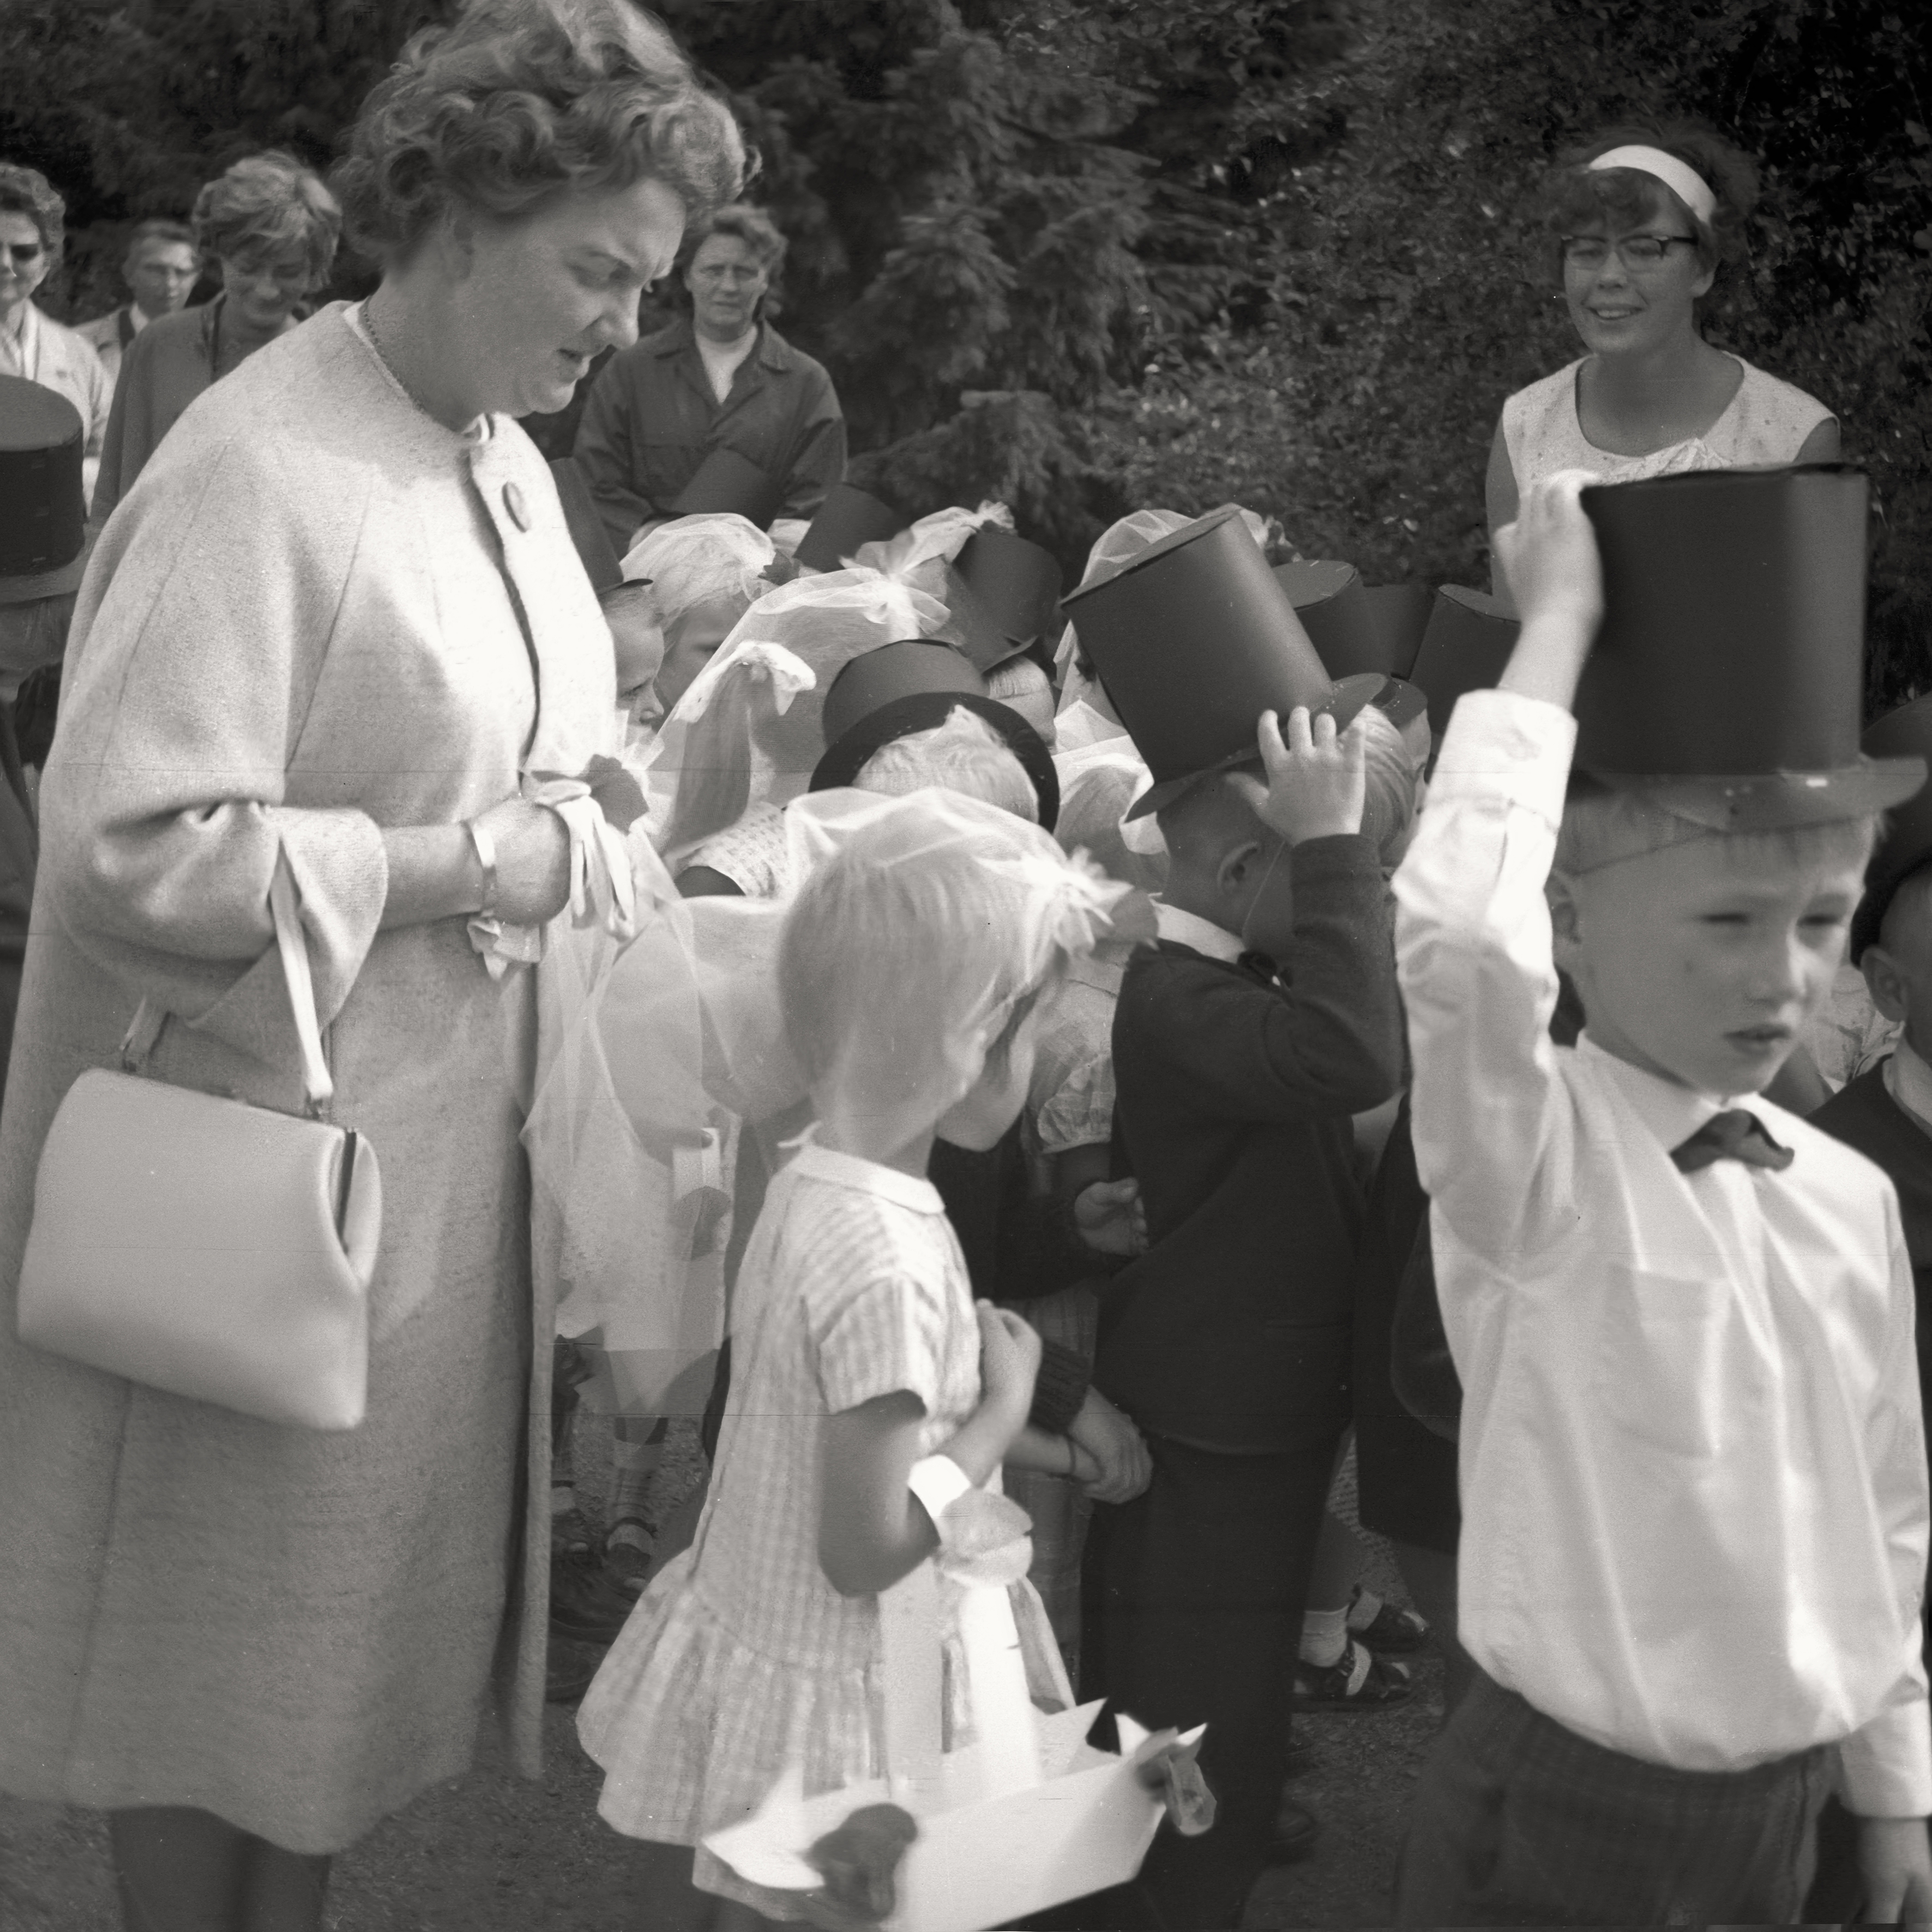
[{"x": 285, "y": 908}]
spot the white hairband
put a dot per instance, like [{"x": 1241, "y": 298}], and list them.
[{"x": 1684, "y": 181}]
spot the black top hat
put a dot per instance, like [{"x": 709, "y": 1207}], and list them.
[
  {"x": 915, "y": 686},
  {"x": 725, "y": 480},
  {"x": 849, "y": 518},
  {"x": 587, "y": 527},
  {"x": 43, "y": 502},
  {"x": 1333, "y": 606},
  {"x": 1469, "y": 640},
  {"x": 1193, "y": 640},
  {"x": 1004, "y": 593},
  {"x": 1726, "y": 677},
  {"x": 1400, "y": 614},
  {"x": 1906, "y": 845}
]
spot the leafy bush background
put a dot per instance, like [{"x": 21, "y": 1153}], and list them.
[{"x": 1086, "y": 254}]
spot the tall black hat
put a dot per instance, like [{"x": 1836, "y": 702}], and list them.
[
  {"x": 726, "y": 481},
  {"x": 1334, "y": 609},
  {"x": 1400, "y": 614},
  {"x": 1468, "y": 641},
  {"x": 1004, "y": 593},
  {"x": 43, "y": 502},
  {"x": 1332, "y": 603},
  {"x": 1726, "y": 677},
  {"x": 915, "y": 686},
  {"x": 848, "y": 518},
  {"x": 1906, "y": 844},
  {"x": 1193, "y": 640},
  {"x": 587, "y": 533}
]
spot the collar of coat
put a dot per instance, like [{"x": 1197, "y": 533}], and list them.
[{"x": 773, "y": 351}]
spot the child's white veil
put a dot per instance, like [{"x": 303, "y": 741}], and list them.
[{"x": 946, "y": 911}]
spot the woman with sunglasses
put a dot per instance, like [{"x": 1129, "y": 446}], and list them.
[
  {"x": 32, "y": 344},
  {"x": 1641, "y": 219}
]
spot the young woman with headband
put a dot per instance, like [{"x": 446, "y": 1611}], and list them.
[{"x": 1641, "y": 220}]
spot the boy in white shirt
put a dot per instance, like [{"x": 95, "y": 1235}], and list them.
[{"x": 1692, "y": 1466}]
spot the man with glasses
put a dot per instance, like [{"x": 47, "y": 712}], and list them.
[
  {"x": 33, "y": 346},
  {"x": 160, "y": 270}
]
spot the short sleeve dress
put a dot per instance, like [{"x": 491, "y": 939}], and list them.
[
  {"x": 741, "y": 1654},
  {"x": 1766, "y": 424}
]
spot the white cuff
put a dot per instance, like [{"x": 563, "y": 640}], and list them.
[
  {"x": 939, "y": 1483},
  {"x": 1502, "y": 743}
]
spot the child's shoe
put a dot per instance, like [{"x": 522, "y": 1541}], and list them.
[
  {"x": 630, "y": 1552},
  {"x": 1297, "y": 1831},
  {"x": 1360, "y": 1681},
  {"x": 1387, "y": 1629}
]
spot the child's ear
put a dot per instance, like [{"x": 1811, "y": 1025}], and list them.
[
  {"x": 1566, "y": 920},
  {"x": 1885, "y": 983},
  {"x": 1236, "y": 872}
]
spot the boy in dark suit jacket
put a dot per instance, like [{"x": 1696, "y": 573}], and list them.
[{"x": 1264, "y": 1016}]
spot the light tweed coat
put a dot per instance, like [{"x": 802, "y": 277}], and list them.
[{"x": 299, "y": 627}]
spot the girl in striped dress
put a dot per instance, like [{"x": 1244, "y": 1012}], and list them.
[{"x": 912, "y": 963}]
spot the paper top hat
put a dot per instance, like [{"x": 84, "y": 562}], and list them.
[
  {"x": 1400, "y": 614},
  {"x": 43, "y": 502},
  {"x": 594, "y": 547},
  {"x": 1906, "y": 845},
  {"x": 1193, "y": 640},
  {"x": 1004, "y": 593},
  {"x": 848, "y": 518},
  {"x": 1726, "y": 680},
  {"x": 1469, "y": 640},
  {"x": 1333, "y": 606},
  {"x": 914, "y": 686},
  {"x": 726, "y": 481}
]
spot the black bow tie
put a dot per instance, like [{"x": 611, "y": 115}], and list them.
[{"x": 1733, "y": 1135}]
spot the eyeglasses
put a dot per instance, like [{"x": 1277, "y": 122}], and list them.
[
  {"x": 1634, "y": 251},
  {"x": 25, "y": 253}
]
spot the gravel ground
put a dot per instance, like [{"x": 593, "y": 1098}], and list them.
[{"x": 492, "y": 1852}]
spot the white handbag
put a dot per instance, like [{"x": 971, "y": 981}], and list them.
[{"x": 204, "y": 1246}]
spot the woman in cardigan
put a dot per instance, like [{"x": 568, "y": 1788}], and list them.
[
  {"x": 1640, "y": 220},
  {"x": 270, "y": 227},
  {"x": 336, "y": 619}
]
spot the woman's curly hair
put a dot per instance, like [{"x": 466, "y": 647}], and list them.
[
  {"x": 29, "y": 192},
  {"x": 1574, "y": 199},
  {"x": 740, "y": 222},
  {"x": 267, "y": 205},
  {"x": 522, "y": 100}
]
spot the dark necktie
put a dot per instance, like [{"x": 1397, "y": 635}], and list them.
[{"x": 1733, "y": 1135}]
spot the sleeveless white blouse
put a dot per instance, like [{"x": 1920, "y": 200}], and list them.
[{"x": 1766, "y": 424}]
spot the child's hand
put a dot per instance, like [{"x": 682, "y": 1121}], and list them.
[
  {"x": 1894, "y": 1862},
  {"x": 1317, "y": 781},
  {"x": 1123, "y": 1467},
  {"x": 1009, "y": 1361},
  {"x": 1110, "y": 1219},
  {"x": 1548, "y": 555}
]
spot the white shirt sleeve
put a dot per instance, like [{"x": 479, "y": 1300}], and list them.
[
  {"x": 1886, "y": 1765},
  {"x": 1494, "y": 1135}
]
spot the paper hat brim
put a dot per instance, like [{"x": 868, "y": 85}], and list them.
[
  {"x": 1346, "y": 697},
  {"x": 849, "y": 518},
  {"x": 1778, "y": 801},
  {"x": 926, "y": 711}
]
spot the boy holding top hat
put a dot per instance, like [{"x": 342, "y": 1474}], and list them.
[
  {"x": 1692, "y": 1465},
  {"x": 1237, "y": 1073}
]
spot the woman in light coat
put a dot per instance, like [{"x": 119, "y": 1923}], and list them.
[{"x": 336, "y": 618}]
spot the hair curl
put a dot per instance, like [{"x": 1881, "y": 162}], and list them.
[
  {"x": 268, "y": 204},
  {"x": 520, "y": 101},
  {"x": 29, "y": 192},
  {"x": 1573, "y": 198}
]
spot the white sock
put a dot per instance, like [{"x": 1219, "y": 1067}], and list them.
[
  {"x": 1324, "y": 1637},
  {"x": 562, "y": 1499}
]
